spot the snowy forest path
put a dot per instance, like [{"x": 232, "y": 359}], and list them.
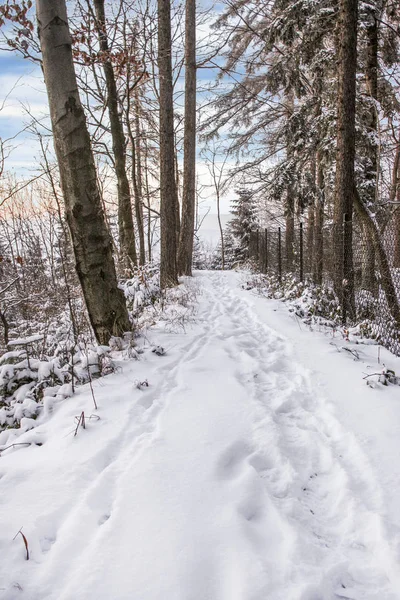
[{"x": 230, "y": 478}]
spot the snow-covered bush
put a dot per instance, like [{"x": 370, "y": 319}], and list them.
[
  {"x": 308, "y": 301},
  {"x": 41, "y": 369},
  {"x": 143, "y": 289},
  {"x": 29, "y": 379},
  {"x": 318, "y": 304},
  {"x": 230, "y": 253},
  {"x": 202, "y": 255}
]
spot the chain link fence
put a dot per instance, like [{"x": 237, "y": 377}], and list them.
[{"x": 308, "y": 255}]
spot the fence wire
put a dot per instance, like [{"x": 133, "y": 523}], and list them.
[{"x": 309, "y": 256}]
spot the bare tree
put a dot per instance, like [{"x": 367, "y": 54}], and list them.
[
  {"x": 91, "y": 240},
  {"x": 168, "y": 191},
  {"x": 185, "y": 253},
  {"x": 125, "y": 220}
]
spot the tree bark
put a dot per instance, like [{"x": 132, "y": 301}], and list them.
[
  {"x": 371, "y": 76},
  {"x": 4, "y": 321},
  {"x": 345, "y": 155},
  {"x": 290, "y": 200},
  {"x": 125, "y": 220},
  {"x": 185, "y": 253},
  {"x": 310, "y": 237},
  {"x": 147, "y": 188},
  {"x": 138, "y": 156},
  {"x": 319, "y": 223},
  {"x": 289, "y": 232},
  {"x": 168, "y": 191},
  {"x": 136, "y": 171},
  {"x": 90, "y": 238}
]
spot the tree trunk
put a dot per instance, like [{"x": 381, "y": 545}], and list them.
[
  {"x": 289, "y": 233},
  {"x": 178, "y": 204},
  {"x": 136, "y": 171},
  {"x": 310, "y": 237},
  {"x": 168, "y": 191},
  {"x": 6, "y": 328},
  {"x": 345, "y": 155},
  {"x": 371, "y": 76},
  {"x": 185, "y": 253},
  {"x": 125, "y": 220},
  {"x": 319, "y": 223},
  {"x": 138, "y": 156},
  {"x": 90, "y": 238},
  {"x": 147, "y": 187},
  {"x": 290, "y": 201},
  {"x": 221, "y": 231}
]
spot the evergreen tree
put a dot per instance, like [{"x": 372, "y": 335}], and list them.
[
  {"x": 243, "y": 223},
  {"x": 229, "y": 252}
]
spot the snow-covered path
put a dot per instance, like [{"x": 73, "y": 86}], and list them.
[{"x": 230, "y": 478}]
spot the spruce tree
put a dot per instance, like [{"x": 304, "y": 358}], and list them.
[{"x": 244, "y": 222}]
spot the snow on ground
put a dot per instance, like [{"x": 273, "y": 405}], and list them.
[{"x": 257, "y": 465}]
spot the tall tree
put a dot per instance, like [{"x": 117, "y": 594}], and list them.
[
  {"x": 125, "y": 219},
  {"x": 185, "y": 252},
  {"x": 90, "y": 237},
  {"x": 168, "y": 191},
  {"x": 345, "y": 155}
]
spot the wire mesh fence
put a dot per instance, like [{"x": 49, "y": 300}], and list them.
[{"x": 309, "y": 256}]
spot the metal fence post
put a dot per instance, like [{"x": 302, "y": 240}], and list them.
[
  {"x": 279, "y": 254},
  {"x": 301, "y": 253}
]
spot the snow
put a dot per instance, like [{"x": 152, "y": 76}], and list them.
[
  {"x": 25, "y": 341},
  {"x": 256, "y": 465}
]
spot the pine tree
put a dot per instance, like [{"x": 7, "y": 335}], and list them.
[
  {"x": 229, "y": 252},
  {"x": 243, "y": 223}
]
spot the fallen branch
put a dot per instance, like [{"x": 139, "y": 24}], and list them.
[{"x": 17, "y": 444}]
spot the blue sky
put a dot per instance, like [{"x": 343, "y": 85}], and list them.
[{"x": 22, "y": 83}]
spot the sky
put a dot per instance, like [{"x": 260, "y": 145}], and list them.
[{"x": 22, "y": 93}]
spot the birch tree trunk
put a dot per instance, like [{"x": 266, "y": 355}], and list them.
[
  {"x": 90, "y": 238},
  {"x": 168, "y": 191},
  {"x": 185, "y": 253}
]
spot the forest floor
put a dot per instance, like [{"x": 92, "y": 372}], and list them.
[{"x": 257, "y": 465}]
